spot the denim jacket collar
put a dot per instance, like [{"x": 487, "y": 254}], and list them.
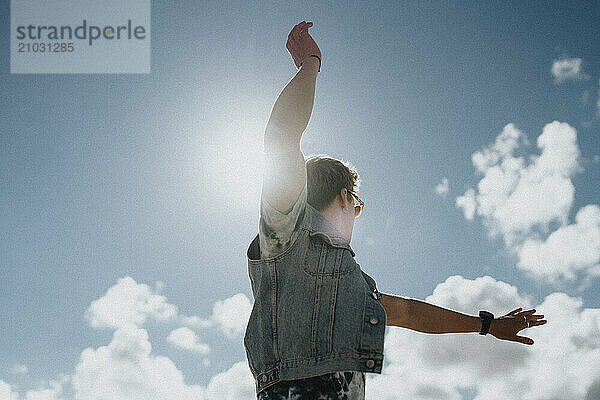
[{"x": 321, "y": 226}]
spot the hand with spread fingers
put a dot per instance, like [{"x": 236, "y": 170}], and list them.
[
  {"x": 300, "y": 44},
  {"x": 507, "y": 326}
]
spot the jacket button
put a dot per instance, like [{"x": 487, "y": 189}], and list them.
[
  {"x": 374, "y": 320},
  {"x": 375, "y": 295},
  {"x": 265, "y": 378},
  {"x": 370, "y": 363}
]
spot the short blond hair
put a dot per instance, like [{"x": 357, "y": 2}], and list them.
[{"x": 326, "y": 177}]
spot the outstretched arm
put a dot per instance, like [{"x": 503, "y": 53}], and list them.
[
  {"x": 285, "y": 170},
  {"x": 428, "y": 318}
]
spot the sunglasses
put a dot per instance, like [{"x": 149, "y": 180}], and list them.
[{"x": 357, "y": 207}]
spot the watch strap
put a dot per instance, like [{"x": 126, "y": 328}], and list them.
[{"x": 486, "y": 318}]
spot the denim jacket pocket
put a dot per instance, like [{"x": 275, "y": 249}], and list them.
[{"x": 323, "y": 259}]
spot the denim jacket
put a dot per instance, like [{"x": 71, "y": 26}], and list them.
[{"x": 315, "y": 311}]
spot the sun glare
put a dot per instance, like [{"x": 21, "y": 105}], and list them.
[{"x": 241, "y": 170}]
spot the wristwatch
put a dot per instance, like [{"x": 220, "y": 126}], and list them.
[{"x": 487, "y": 318}]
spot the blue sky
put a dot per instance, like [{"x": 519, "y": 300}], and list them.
[{"x": 111, "y": 182}]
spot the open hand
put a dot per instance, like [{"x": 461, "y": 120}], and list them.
[
  {"x": 300, "y": 44},
  {"x": 507, "y": 326}
]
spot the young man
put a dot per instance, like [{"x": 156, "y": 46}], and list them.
[{"x": 318, "y": 321}]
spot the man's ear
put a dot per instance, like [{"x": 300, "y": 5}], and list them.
[{"x": 343, "y": 194}]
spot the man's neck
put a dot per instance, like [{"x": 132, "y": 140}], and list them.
[{"x": 337, "y": 221}]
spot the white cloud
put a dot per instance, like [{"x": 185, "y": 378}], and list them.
[
  {"x": 19, "y": 369},
  {"x": 470, "y": 296},
  {"x": 563, "y": 363},
  {"x": 187, "y": 339},
  {"x": 129, "y": 302},
  {"x": 132, "y": 302},
  {"x": 125, "y": 369},
  {"x": 230, "y": 316},
  {"x": 50, "y": 390},
  {"x": 509, "y": 140},
  {"x": 567, "y": 250},
  {"x": 443, "y": 187},
  {"x": 54, "y": 391},
  {"x": 6, "y": 392},
  {"x": 514, "y": 197},
  {"x": 519, "y": 196},
  {"x": 468, "y": 203},
  {"x": 235, "y": 383},
  {"x": 567, "y": 69}
]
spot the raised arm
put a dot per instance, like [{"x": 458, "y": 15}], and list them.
[
  {"x": 428, "y": 318},
  {"x": 285, "y": 171}
]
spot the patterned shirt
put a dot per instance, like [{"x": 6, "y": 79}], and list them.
[{"x": 276, "y": 232}]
